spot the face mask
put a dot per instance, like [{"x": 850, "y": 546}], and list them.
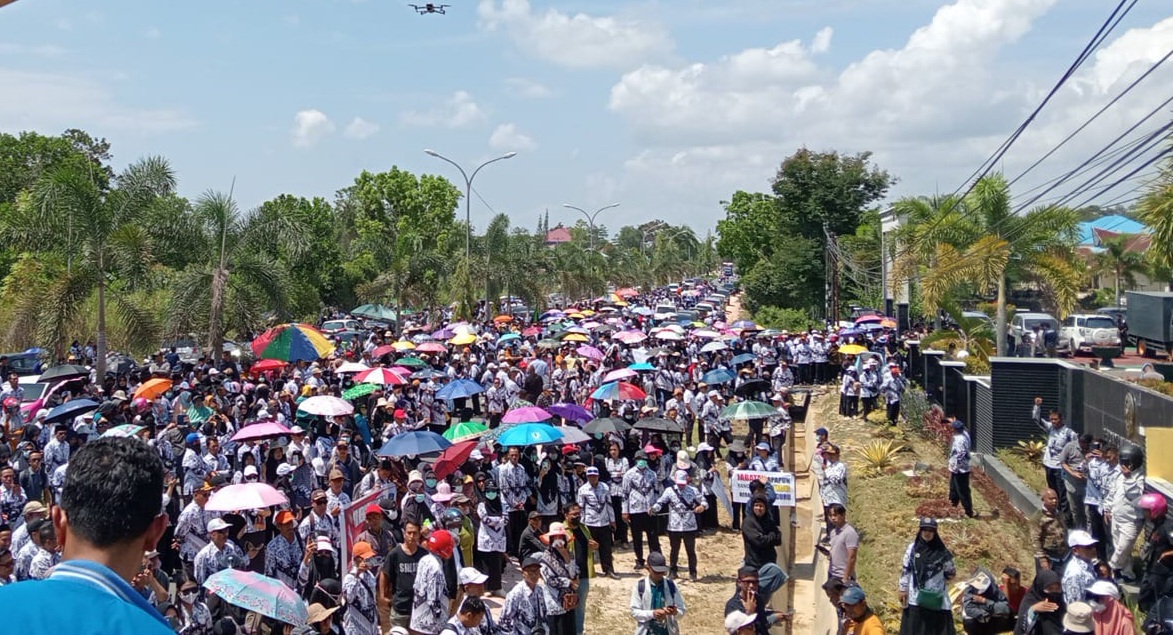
[
  {"x": 641, "y": 464},
  {"x": 295, "y": 461},
  {"x": 1098, "y": 607},
  {"x": 430, "y": 483},
  {"x": 557, "y": 543},
  {"x": 491, "y": 495},
  {"x": 419, "y": 498},
  {"x": 174, "y": 622},
  {"x": 188, "y": 596}
]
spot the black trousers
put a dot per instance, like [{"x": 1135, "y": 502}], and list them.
[
  {"x": 562, "y": 624},
  {"x": 689, "y": 540},
  {"x": 708, "y": 517},
  {"x": 517, "y": 523},
  {"x": 620, "y": 526},
  {"x": 602, "y": 535},
  {"x": 1055, "y": 482},
  {"x": 641, "y": 525},
  {"x": 893, "y": 413},
  {"x": 959, "y": 492},
  {"x": 492, "y": 563},
  {"x": 869, "y": 404}
]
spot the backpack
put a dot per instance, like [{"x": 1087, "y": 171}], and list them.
[{"x": 642, "y": 584}]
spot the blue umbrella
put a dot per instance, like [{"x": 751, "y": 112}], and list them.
[
  {"x": 459, "y": 389},
  {"x": 416, "y": 442},
  {"x": 645, "y": 366},
  {"x": 71, "y": 409},
  {"x": 718, "y": 376},
  {"x": 508, "y": 337},
  {"x": 743, "y": 358},
  {"x": 529, "y": 434}
]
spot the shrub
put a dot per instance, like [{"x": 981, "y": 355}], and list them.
[
  {"x": 1159, "y": 385},
  {"x": 784, "y": 319},
  {"x": 878, "y": 416},
  {"x": 876, "y": 457},
  {"x": 1031, "y": 450},
  {"x": 916, "y": 406},
  {"x": 928, "y": 485}
]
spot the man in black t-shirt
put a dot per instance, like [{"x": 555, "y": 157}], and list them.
[{"x": 397, "y": 577}]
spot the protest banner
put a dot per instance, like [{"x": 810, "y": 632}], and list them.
[
  {"x": 354, "y": 518},
  {"x": 781, "y": 482}
]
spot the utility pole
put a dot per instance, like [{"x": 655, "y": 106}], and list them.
[{"x": 832, "y": 275}]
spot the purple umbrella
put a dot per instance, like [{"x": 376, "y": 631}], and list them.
[
  {"x": 526, "y": 414},
  {"x": 445, "y": 333},
  {"x": 590, "y": 352},
  {"x": 571, "y": 412}
]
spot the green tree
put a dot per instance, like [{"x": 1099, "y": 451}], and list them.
[
  {"x": 233, "y": 275},
  {"x": 99, "y": 232},
  {"x": 1155, "y": 209},
  {"x": 1118, "y": 261}
]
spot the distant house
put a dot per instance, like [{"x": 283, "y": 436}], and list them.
[
  {"x": 558, "y": 235},
  {"x": 1114, "y": 225},
  {"x": 1137, "y": 238}
]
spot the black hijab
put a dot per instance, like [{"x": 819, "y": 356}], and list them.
[
  {"x": 1044, "y": 623},
  {"x": 928, "y": 556}
]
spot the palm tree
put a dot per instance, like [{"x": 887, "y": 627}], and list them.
[
  {"x": 928, "y": 222},
  {"x": 1155, "y": 209},
  {"x": 98, "y": 230},
  {"x": 1036, "y": 247},
  {"x": 232, "y": 275},
  {"x": 1124, "y": 265}
]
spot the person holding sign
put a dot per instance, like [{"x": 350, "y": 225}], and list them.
[
  {"x": 684, "y": 502},
  {"x": 760, "y": 534}
]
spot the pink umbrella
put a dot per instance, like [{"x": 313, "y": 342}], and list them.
[
  {"x": 261, "y": 430},
  {"x": 245, "y": 496},
  {"x": 326, "y": 406},
  {"x": 432, "y": 347},
  {"x": 619, "y": 375},
  {"x": 381, "y": 376},
  {"x": 532, "y": 331},
  {"x": 630, "y": 337},
  {"x": 527, "y": 414},
  {"x": 590, "y": 352}
]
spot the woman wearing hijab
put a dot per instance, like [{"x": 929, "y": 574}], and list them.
[
  {"x": 1110, "y": 615},
  {"x": 928, "y": 567},
  {"x": 1041, "y": 612},
  {"x": 759, "y": 534},
  {"x": 491, "y": 535}
]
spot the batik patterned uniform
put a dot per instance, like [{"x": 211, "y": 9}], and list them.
[
  {"x": 362, "y": 617},
  {"x": 429, "y": 609}
]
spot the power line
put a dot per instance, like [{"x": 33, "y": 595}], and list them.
[{"x": 1101, "y": 111}]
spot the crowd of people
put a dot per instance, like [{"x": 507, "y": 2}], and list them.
[{"x": 437, "y": 541}]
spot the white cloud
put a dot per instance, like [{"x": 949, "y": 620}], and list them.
[
  {"x": 527, "y": 88},
  {"x": 508, "y": 138},
  {"x": 579, "y": 40},
  {"x": 152, "y": 33},
  {"x": 54, "y": 102},
  {"x": 932, "y": 110},
  {"x": 457, "y": 112},
  {"x": 360, "y": 128},
  {"x": 38, "y": 50},
  {"x": 310, "y": 127}
]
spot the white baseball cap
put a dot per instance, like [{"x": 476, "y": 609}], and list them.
[
  {"x": 1080, "y": 538},
  {"x": 217, "y": 524},
  {"x": 469, "y": 575}
]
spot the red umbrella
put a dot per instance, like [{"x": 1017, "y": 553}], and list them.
[
  {"x": 267, "y": 365},
  {"x": 432, "y": 347},
  {"x": 453, "y": 457},
  {"x": 382, "y": 350},
  {"x": 869, "y": 318}
]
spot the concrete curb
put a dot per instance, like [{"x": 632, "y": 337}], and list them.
[{"x": 1021, "y": 496}]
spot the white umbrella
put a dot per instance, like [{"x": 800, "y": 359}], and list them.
[
  {"x": 713, "y": 347},
  {"x": 326, "y": 406},
  {"x": 352, "y": 367}
]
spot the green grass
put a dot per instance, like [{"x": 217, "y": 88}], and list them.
[{"x": 1031, "y": 473}]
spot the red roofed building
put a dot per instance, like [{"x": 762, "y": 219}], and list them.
[{"x": 558, "y": 235}]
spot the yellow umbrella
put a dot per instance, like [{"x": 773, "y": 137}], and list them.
[
  {"x": 402, "y": 345},
  {"x": 588, "y": 312},
  {"x": 576, "y": 337},
  {"x": 852, "y": 349},
  {"x": 463, "y": 339},
  {"x": 888, "y": 323},
  {"x": 576, "y": 316}
]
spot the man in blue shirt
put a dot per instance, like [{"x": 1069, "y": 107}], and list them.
[{"x": 110, "y": 514}]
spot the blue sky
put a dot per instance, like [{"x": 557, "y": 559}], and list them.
[{"x": 665, "y": 106}]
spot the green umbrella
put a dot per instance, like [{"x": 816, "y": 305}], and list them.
[
  {"x": 465, "y": 430},
  {"x": 374, "y": 312},
  {"x": 411, "y": 362},
  {"x": 748, "y": 410},
  {"x": 359, "y": 390}
]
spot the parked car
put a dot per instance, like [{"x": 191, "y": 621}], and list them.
[
  {"x": 1080, "y": 333},
  {"x": 23, "y": 364},
  {"x": 664, "y": 311},
  {"x": 186, "y": 346},
  {"x": 330, "y": 327},
  {"x": 1117, "y": 313},
  {"x": 1025, "y": 322}
]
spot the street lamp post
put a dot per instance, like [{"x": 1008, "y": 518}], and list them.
[
  {"x": 468, "y": 192},
  {"x": 590, "y": 218}
]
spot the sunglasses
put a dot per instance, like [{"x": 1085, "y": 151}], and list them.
[{"x": 320, "y": 502}]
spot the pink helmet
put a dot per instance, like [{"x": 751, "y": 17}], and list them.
[
  {"x": 1154, "y": 503},
  {"x": 11, "y": 402},
  {"x": 140, "y": 404}
]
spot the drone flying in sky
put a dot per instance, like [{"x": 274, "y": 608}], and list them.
[{"x": 424, "y": 9}]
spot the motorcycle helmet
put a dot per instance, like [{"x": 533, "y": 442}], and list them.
[
  {"x": 1131, "y": 457},
  {"x": 1154, "y": 503},
  {"x": 440, "y": 543}
]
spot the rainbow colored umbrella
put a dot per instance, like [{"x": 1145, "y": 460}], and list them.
[
  {"x": 291, "y": 343},
  {"x": 258, "y": 593}
]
